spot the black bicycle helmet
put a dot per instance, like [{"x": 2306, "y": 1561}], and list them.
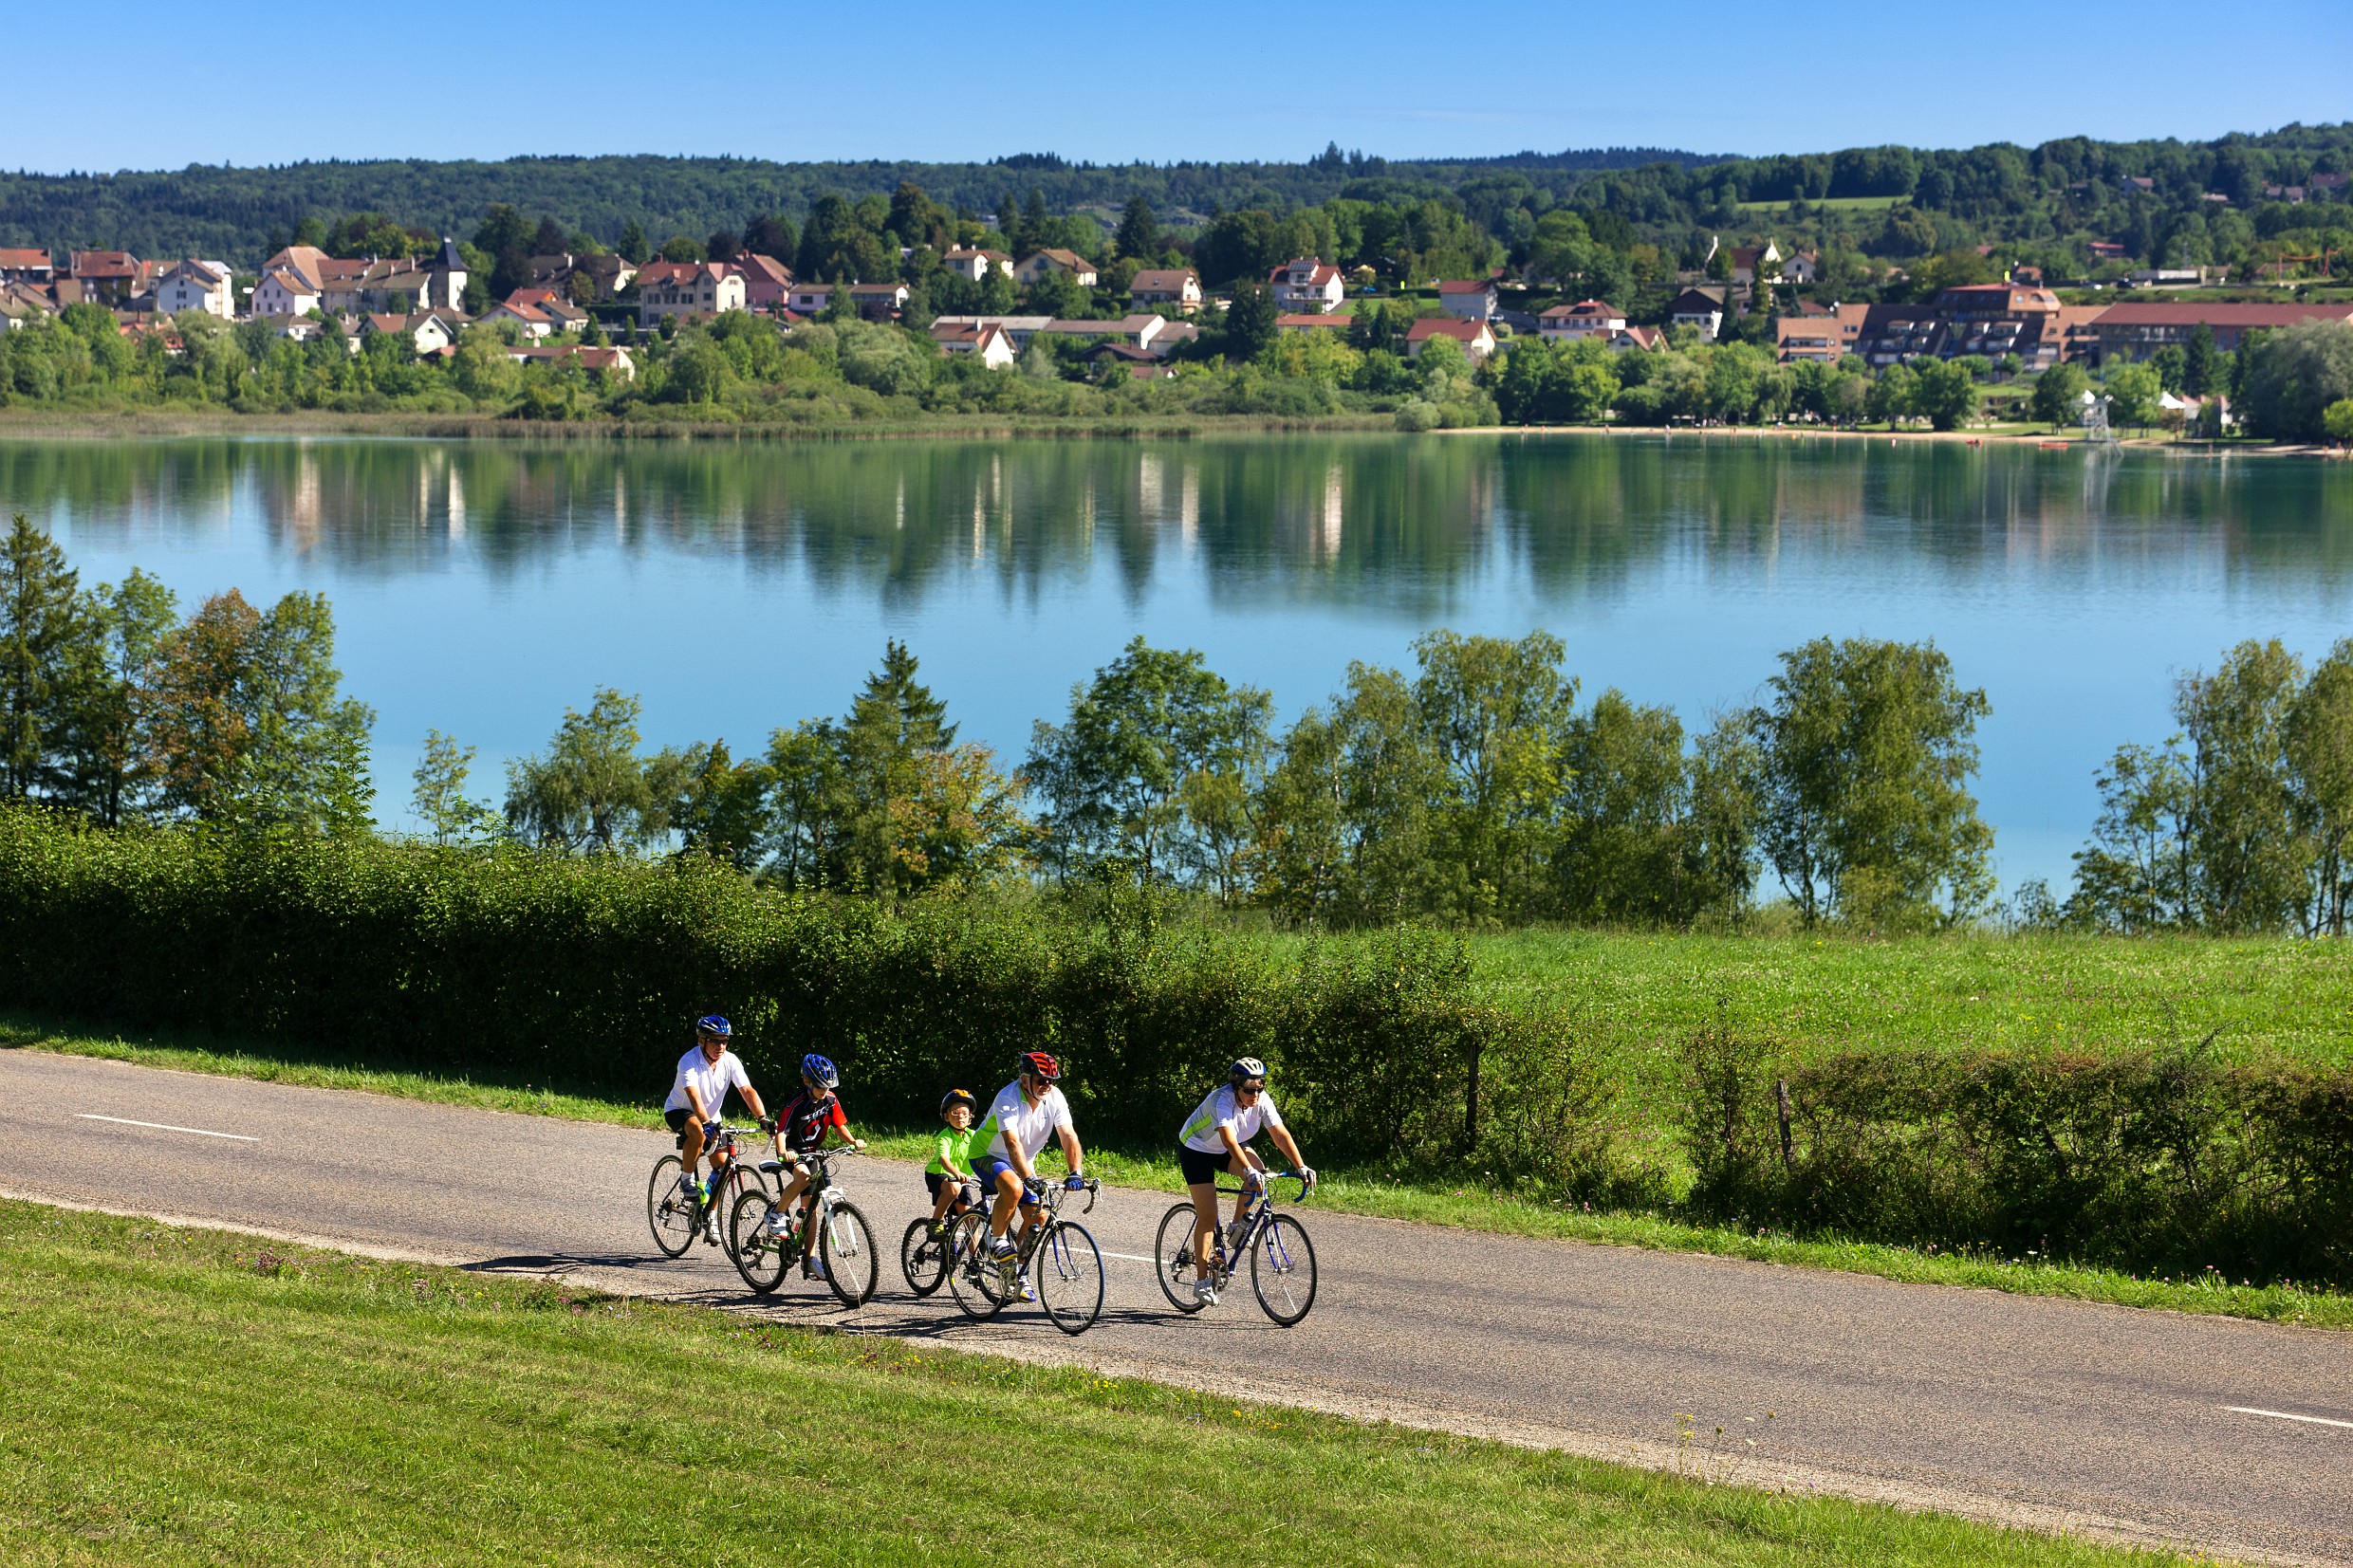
[{"x": 957, "y": 1096}]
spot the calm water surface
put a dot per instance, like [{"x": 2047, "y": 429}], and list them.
[{"x": 479, "y": 589}]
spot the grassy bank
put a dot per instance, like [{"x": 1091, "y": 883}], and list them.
[
  {"x": 198, "y": 1397},
  {"x": 1357, "y": 1192},
  {"x": 117, "y": 423}
]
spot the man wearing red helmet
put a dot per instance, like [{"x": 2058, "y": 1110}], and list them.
[{"x": 1019, "y": 1120}]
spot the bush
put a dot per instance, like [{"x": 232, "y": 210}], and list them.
[{"x": 2156, "y": 1161}]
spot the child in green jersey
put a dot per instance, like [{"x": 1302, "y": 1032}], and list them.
[{"x": 950, "y": 1173}]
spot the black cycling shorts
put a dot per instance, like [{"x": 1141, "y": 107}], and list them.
[
  {"x": 933, "y": 1180},
  {"x": 677, "y": 1118},
  {"x": 1199, "y": 1169}
]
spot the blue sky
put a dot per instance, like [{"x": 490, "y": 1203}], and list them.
[{"x": 937, "y": 82}]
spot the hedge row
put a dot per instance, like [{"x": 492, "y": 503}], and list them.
[
  {"x": 2169, "y": 1163},
  {"x": 584, "y": 975}
]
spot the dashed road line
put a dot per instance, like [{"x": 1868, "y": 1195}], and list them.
[{"x": 165, "y": 1127}]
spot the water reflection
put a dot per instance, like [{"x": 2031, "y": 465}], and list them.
[{"x": 1338, "y": 519}]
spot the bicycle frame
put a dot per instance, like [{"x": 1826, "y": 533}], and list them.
[{"x": 1254, "y": 1218}]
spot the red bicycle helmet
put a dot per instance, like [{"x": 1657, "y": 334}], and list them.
[{"x": 1040, "y": 1062}]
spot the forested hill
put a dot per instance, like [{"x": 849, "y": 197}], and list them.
[{"x": 231, "y": 213}]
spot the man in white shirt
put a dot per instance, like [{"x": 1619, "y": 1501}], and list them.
[
  {"x": 1214, "y": 1141},
  {"x": 698, "y": 1094},
  {"x": 1020, "y": 1118}
]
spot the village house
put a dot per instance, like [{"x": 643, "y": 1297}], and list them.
[
  {"x": 1180, "y": 287},
  {"x": 1307, "y": 285},
  {"x": 807, "y": 299},
  {"x": 1802, "y": 269},
  {"x": 1070, "y": 263},
  {"x": 879, "y": 302},
  {"x": 1702, "y": 307},
  {"x": 1648, "y": 340},
  {"x": 1809, "y": 338},
  {"x": 1747, "y": 259},
  {"x": 767, "y": 282},
  {"x": 972, "y": 265},
  {"x": 695, "y": 290},
  {"x": 196, "y": 286},
  {"x": 428, "y": 331},
  {"x": 538, "y": 312},
  {"x": 1585, "y": 318},
  {"x": 283, "y": 292},
  {"x": 108, "y": 277},
  {"x": 22, "y": 304},
  {"x": 988, "y": 341},
  {"x": 1476, "y": 337},
  {"x": 1311, "y": 320},
  {"x": 582, "y": 278},
  {"x": 33, "y": 267},
  {"x": 1019, "y": 329},
  {"x": 614, "y": 360},
  {"x": 1468, "y": 300},
  {"x": 1138, "y": 331}
]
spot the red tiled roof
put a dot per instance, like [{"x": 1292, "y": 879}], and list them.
[
  {"x": 25, "y": 258},
  {"x": 1467, "y": 285},
  {"x": 1439, "y": 326}
]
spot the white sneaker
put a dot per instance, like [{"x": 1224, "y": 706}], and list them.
[
  {"x": 1205, "y": 1292},
  {"x": 1023, "y": 1288},
  {"x": 814, "y": 1268}
]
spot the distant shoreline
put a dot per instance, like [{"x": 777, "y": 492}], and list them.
[{"x": 153, "y": 424}]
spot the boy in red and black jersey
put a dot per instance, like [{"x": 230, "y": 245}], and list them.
[{"x": 802, "y": 1126}]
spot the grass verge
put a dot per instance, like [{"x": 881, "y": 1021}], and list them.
[
  {"x": 1465, "y": 1206},
  {"x": 196, "y": 1396}
]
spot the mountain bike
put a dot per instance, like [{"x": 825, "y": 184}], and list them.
[
  {"x": 923, "y": 1258},
  {"x": 674, "y": 1209},
  {"x": 1059, "y": 1257},
  {"x": 766, "y": 1239},
  {"x": 1281, "y": 1260}
]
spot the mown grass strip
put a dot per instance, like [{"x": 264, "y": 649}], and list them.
[
  {"x": 200, "y": 1397},
  {"x": 1358, "y": 1193}
]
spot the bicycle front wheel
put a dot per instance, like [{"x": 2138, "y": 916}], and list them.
[
  {"x": 923, "y": 1261},
  {"x": 670, "y": 1206},
  {"x": 1173, "y": 1258},
  {"x": 972, "y": 1277},
  {"x": 761, "y": 1256},
  {"x": 853, "y": 1266},
  {"x": 1283, "y": 1269},
  {"x": 734, "y": 1186},
  {"x": 1067, "y": 1272}
]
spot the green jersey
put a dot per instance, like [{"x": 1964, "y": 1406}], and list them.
[{"x": 955, "y": 1153}]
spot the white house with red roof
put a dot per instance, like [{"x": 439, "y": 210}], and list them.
[
  {"x": 987, "y": 342},
  {"x": 1307, "y": 283},
  {"x": 1176, "y": 285},
  {"x": 1585, "y": 318},
  {"x": 283, "y": 291},
  {"x": 1468, "y": 299},
  {"x": 1476, "y": 337},
  {"x": 195, "y": 285},
  {"x": 974, "y": 265},
  {"x": 1070, "y": 263},
  {"x": 695, "y": 290}
]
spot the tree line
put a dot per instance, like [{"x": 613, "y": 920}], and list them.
[{"x": 1473, "y": 790}]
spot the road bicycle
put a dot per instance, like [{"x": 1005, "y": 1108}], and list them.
[
  {"x": 675, "y": 1208},
  {"x": 1281, "y": 1260},
  {"x": 1058, "y": 1256},
  {"x": 766, "y": 1239},
  {"x": 924, "y": 1258}
]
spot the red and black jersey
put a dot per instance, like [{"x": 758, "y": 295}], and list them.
[{"x": 803, "y": 1123}]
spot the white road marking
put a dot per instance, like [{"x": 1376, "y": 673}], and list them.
[
  {"x": 165, "y": 1127},
  {"x": 2283, "y": 1415},
  {"x": 1127, "y": 1257}
]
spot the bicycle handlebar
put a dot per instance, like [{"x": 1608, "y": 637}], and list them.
[{"x": 1274, "y": 1176}]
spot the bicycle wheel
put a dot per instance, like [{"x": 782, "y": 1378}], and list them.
[
  {"x": 760, "y": 1257},
  {"x": 728, "y": 1200},
  {"x": 973, "y": 1278},
  {"x": 853, "y": 1266},
  {"x": 1283, "y": 1269},
  {"x": 670, "y": 1208},
  {"x": 1067, "y": 1272},
  {"x": 1173, "y": 1258},
  {"x": 923, "y": 1261}
]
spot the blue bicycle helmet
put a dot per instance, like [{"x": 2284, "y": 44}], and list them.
[
  {"x": 712, "y": 1024},
  {"x": 819, "y": 1070}
]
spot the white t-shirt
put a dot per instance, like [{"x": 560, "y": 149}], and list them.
[
  {"x": 1013, "y": 1117},
  {"x": 711, "y": 1080},
  {"x": 1199, "y": 1131}
]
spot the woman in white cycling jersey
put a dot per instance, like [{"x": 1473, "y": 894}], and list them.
[{"x": 1215, "y": 1140}]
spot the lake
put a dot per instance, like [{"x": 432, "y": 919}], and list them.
[{"x": 480, "y": 588}]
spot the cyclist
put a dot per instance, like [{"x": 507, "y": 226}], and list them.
[
  {"x": 813, "y": 1112},
  {"x": 950, "y": 1175},
  {"x": 697, "y": 1094},
  {"x": 1216, "y": 1139},
  {"x": 1023, "y": 1113}
]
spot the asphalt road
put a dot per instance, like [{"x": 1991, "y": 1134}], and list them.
[{"x": 2041, "y": 1413}]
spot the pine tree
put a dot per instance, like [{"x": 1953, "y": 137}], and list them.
[{"x": 44, "y": 627}]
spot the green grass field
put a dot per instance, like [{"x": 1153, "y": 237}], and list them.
[{"x": 200, "y": 1397}]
